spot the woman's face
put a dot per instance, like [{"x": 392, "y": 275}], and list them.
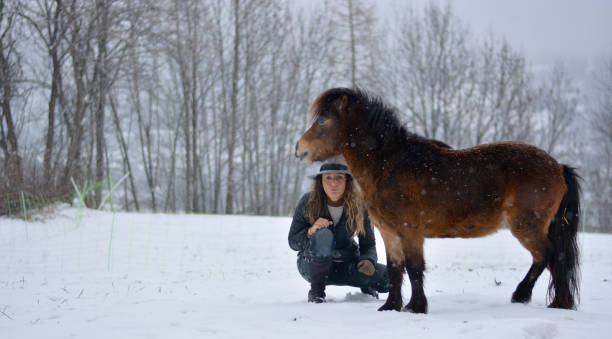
[{"x": 334, "y": 185}]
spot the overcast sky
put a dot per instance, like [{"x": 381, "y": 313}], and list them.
[
  {"x": 545, "y": 30},
  {"x": 576, "y": 32}
]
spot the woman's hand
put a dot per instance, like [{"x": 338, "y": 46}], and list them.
[
  {"x": 319, "y": 224},
  {"x": 366, "y": 267}
]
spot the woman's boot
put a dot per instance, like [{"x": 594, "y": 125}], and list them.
[{"x": 319, "y": 270}]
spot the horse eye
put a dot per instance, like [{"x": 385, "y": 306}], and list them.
[{"x": 321, "y": 121}]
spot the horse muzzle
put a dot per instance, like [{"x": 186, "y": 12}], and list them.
[{"x": 302, "y": 154}]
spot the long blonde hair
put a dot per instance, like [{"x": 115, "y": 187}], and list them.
[{"x": 352, "y": 202}]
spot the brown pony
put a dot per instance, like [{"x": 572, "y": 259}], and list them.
[{"x": 415, "y": 188}]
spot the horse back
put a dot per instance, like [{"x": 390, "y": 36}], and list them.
[{"x": 469, "y": 192}]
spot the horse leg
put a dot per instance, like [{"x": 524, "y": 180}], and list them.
[
  {"x": 522, "y": 294},
  {"x": 395, "y": 273},
  {"x": 415, "y": 265},
  {"x": 533, "y": 239},
  {"x": 395, "y": 270}
]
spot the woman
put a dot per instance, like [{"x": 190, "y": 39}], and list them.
[{"x": 324, "y": 225}]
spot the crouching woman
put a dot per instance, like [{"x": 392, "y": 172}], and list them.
[{"x": 323, "y": 231}]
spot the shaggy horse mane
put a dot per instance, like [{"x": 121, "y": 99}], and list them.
[{"x": 380, "y": 118}]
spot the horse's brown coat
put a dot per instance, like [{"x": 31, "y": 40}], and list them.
[{"x": 415, "y": 189}]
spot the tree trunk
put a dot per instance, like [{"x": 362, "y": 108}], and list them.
[
  {"x": 352, "y": 37},
  {"x": 231, "y": 145},
  {"x": 124, "y": 153},
  {"x": 80, "y": 51},
  {"x": 50, "y": 139},
  {"x": 102, "y": 9},
  {"x": 9, "y": 141},
  {"x": 8, "y": 137}
]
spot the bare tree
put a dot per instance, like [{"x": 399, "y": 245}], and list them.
[
  {"x": 311, "y": 51},
  {"x": 189, "y": 53},
  {"x": 215, "y": 165},
  {"x": 558, "y": 98},
  {"x": 258, "y": 78},
  {"x": 282, "y": 67},
  {"x": 455, "y": 89},
  {"x": 264, "y": 88},
  {"x": 101, "y": 75},
  {"x": 357, "y": 42},
  {"x": 143, "y": 85},
  {"x": 123, "y": 146},
  {"x": 437, "y": 76},
  {"x": 80, "y": 49},
  {"x": 50, "y": 21},
  {"x": 9, "y": 71},
  {"x": 599, "y": 168},
  {"x": 503, "y": 102},
  {"x": 602, "y": 110},
  {"x": 233, "y": 114}
]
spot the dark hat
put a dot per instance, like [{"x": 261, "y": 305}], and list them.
[{"x": 336, "y": 164}]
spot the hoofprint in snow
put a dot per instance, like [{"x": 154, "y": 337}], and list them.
[{"x": 92, "y": 274}]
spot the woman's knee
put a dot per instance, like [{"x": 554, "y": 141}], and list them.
[
  {"x": 324, "y": 235},
  {"x": 321, "y": 243}
]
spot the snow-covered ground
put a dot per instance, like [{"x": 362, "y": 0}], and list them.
[{"x": 94, "y": 274}]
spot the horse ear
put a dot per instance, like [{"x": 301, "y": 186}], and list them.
[{"x": 341, "y": 103}]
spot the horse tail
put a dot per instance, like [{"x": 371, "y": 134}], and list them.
[{"x": 564, "y": 262}]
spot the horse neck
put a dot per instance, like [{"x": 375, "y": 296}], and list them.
[
  {"x": 361, "y": 171},
  {"x": 370, "y": 157},
  {"x": 364, "y": 142},
  {"x": 365, "y": 153}
]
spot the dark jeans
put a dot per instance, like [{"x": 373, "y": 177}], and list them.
[{"x": 341, "y": 273}]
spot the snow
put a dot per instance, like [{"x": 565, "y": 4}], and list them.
[{"x": 93, "y": 274}]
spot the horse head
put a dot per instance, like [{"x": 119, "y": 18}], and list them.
[{"x": 325, "y": 137}]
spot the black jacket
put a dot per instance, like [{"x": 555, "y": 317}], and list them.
[{"x": 345, "y": 248}]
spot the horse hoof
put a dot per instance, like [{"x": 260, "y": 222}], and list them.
[
  {"x": 390, "y": 306},
  {"x": 519, "y": 298},
  {"x": 422, "y": 308},
  {"x": 567, "y": 305}
]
